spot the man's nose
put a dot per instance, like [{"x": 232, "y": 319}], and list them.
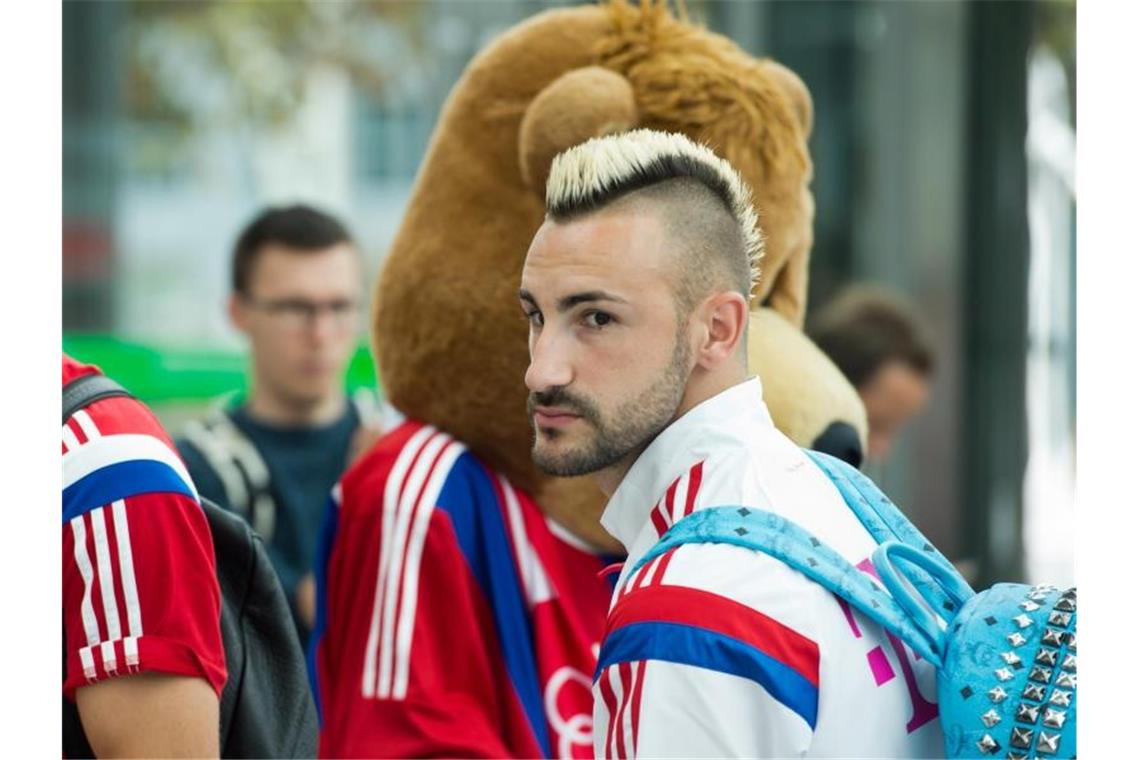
[
  {"x": 324, "y": 323},
  {"x": 320, "y": 327},
  {"x": 550, "y": 365}
]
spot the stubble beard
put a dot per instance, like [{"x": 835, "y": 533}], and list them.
[{"x": 627, "y": 432}]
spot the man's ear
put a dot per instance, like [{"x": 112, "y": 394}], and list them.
[
  {"x": 238, "y": 311},
  {"x": 725, "y": 317}
]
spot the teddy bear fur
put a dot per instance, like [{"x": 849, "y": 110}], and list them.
[{"x": 449, "y": 337}]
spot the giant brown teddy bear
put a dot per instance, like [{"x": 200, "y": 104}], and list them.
[{"x": 449, "y": 336}]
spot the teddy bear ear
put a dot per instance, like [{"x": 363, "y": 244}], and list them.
[
  {"x": 582, "y": 103},
  {"x": 796, "y": 91}
]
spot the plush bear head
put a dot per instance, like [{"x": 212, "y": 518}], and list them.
[{"x": 449, "y": 337}]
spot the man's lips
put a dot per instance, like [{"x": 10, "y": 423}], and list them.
[{"x": 551, "y": 417}]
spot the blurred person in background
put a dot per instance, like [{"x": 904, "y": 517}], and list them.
[
  {"x": 879, "y": 345},
  {"x": 274, "y": 457},
  {"x": 143, "y": 660}
]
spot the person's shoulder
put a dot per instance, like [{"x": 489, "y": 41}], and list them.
[
  {"x": 113, "y": 416},
  {"x": 413, "y": 458},
  {"x": 741, "y": 573},
  {"x": 73, "y": 368},
  {"x": 709, "y": 606},
  {"x": 735, "y": 582}
]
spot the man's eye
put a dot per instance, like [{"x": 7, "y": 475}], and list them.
[
  {"x": 534, "y": 317},
  {"x": 296, "y": 308},
  {"x": 597, "y": 319}
]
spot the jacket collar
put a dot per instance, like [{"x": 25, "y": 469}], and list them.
[{"x": 729, "y": 419}]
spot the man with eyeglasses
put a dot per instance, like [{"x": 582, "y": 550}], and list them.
[{"x": 274, "y": 456}]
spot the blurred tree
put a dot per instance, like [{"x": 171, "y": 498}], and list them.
[{"x": 249, "y": 66}]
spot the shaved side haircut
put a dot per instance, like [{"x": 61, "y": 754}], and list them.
[{"x": 702, "y": 201}]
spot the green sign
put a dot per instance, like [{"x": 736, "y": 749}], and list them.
[{"x": 164, "y": 374}]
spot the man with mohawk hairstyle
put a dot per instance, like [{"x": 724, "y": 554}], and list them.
[{"x": 636, "y": 288}]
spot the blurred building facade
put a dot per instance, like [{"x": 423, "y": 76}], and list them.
[{"x": 943, "y": 170}]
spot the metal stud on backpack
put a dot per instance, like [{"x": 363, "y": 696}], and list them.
[
  {"x": 1007, "y": 660},
  {"x": 1029, "y": 634}
]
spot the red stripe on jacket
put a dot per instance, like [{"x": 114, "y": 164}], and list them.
[{"x": 703, "y": 609}]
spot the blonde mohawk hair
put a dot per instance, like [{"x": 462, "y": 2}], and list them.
[{"x": 598, "y": 172}]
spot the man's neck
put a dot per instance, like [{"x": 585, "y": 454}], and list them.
[{"x": 268, "y": 408}]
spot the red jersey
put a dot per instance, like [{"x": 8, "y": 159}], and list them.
[
  {"x": 139, "y": 588},
  {"x": 453, "y": 618}
]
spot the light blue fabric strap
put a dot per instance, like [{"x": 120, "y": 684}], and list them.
[
  {"x": 892, "y": 555},
  {"x": 782, "y": 539},
  {"x": 944, "y": 592}
]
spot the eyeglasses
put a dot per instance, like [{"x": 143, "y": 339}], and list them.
[{"x": 298, "y": 313}]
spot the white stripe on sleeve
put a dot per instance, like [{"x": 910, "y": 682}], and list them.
[
  {"x": 626, "y": 725},
  {"x": 619, "y": 697},
  {"x": 114, "y": 449},
  {"x": 388, "y": 510},
  {"x": 107, "y": 587},
  {"x": 424, "y": 510},
  {"x": 408, "y": 503},
  {"x": 70, "y": 440},
  {"x": 650, "y": 572},
  {"x": 86, "y": 424},
  {"x": 130, "y": 587},
  {"x": 87, "y": 610}
]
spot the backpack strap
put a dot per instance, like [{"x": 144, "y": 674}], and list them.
[
  {"x": 944, "y": 592},
  {"x": 85, "y": 390},
  {"x": 879, "y": 515},
  {"x": 239, "y": 466},
  {"x": 786, "y": 541},
  {"x": 888, "y": 558}
]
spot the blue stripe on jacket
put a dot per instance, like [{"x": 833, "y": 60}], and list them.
[
  {"x": 711, "y": 650},
  {"x": 120, "y": 481},
  {"x": 468, "y": 497}
]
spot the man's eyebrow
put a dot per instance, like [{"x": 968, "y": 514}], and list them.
[{"x": 569, "y": 302}]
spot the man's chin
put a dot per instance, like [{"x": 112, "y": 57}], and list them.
[
  {"x": 554, "y": 460},
  {"x": 315, "y": 391},
  {"x": 564, "y": 460}
]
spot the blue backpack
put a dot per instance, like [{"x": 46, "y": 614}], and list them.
[{"x": 1006, "y": 658}]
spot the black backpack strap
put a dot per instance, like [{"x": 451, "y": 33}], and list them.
[{"x": 86, "y": 390}]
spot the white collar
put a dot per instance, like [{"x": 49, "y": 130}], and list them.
[{"x": 730, "y": 418}]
